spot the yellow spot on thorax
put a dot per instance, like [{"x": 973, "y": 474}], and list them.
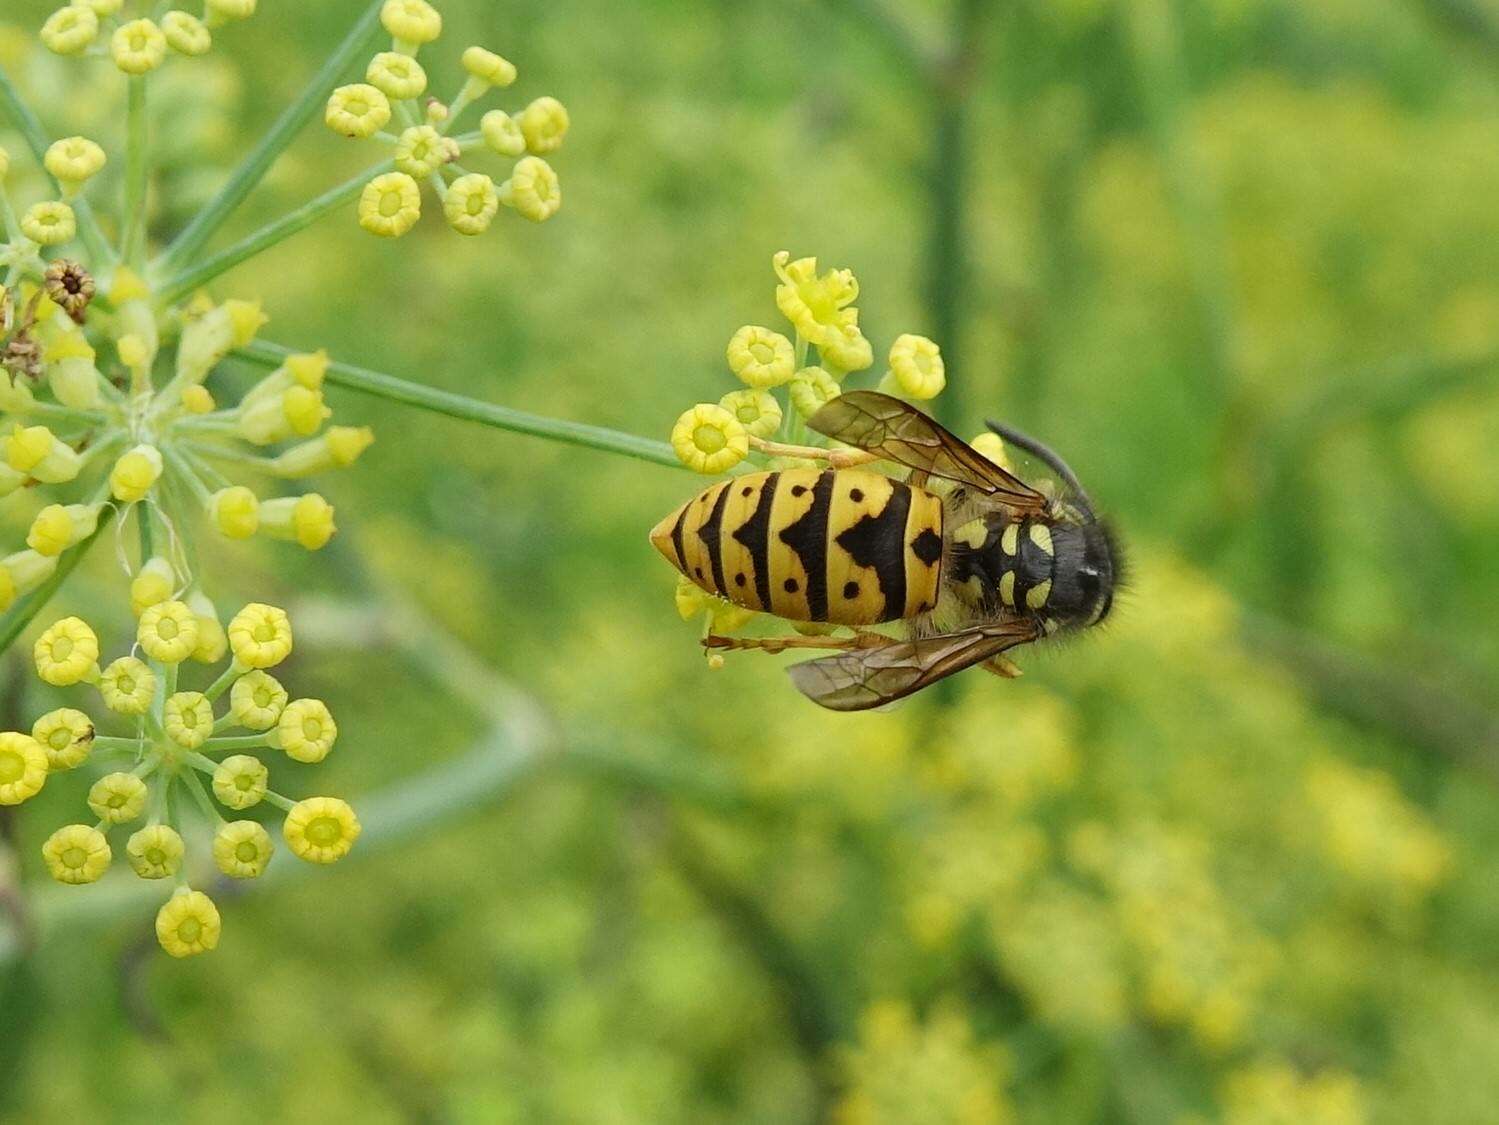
[
  {"x": 1036, "y": 596},
  {"x": 1009, "y": 542},
  {"x": 1041, "y": 536},
  {"x": 1007, "y": 588},
  {"x": 972, "y": 534}
]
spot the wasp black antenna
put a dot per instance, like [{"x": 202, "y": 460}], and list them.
[{"x": 1050, "y": 457}]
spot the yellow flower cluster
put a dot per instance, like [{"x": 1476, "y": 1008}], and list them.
[
  {"x": 713, "y": 438},
  {"x": 424, "y": 147},
  {"x": 164, "y": 449},
  {"x": 172, "y": 737},
  {"x": 1275, "y": 1093},
  {"x": 140, "y": 45}
]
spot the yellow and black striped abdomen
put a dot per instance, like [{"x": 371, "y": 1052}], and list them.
[{"x": 845, "y": 546}]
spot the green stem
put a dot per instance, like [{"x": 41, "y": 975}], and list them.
[
  {"x": 148, "y": 539},
  {"x": 267, "y": 236},
  {"x": 237, "y": 742},
  {"x": 36, "y": 139},
  {"x": 19, "y": 615},
  {"x": 65, "y": 414},
  {"x": 185, "y": 471},
  {"x": 255, "y": 165},
  {"x": 137, "y": 171},
  {"x": 231, "y": 456},
  {"x": 210, "y": 810},
  {"x": 473, "y": 410},
  {"x": 216, "y": 689},
  {"x": 112, "y": 743}
]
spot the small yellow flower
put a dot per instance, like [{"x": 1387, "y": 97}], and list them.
[
  {"x": 35, "y": 451},
  {"x": 307, "y": 520},
  {"x": 502, "y": 133},
  {"x": 488, "y": 67},
  {"x": 135, "y": 474},
  {"x": 213, "y": 640},
  {"x": 23, "y": 767},
  {"x": 533, "y": 189},
  {"x": 117, "y": 797},
  {"x": 992, "y": 446},
  {"x": 188, "y": 924},
  {"x": 260, "y": 636},
  {"x": 138, "y": 47},
  {"x": 188, "y": 719},
  {"x": 708, "y": 439},
  {"x": 58, "y": 527},
  {"x": 168, "y": 632},
  {"x": 817, "y": 306},
  {"x": 306, "y": 731},
  {"x": 23, "y": 572},
  {"x": 390, "y": 205},
  {"x": 222, "y": 11},
  {"x": 154, "y": 584},
  {"x": 67, "y": 653},
  {"x": 186, "y": 34},
  {"x": 410, "y": 23},
  {"x": 49, "y": 224},
  {"x": 74, "y": 160},
  {"x": 422, "y": 150},
  {"x": 811, "y": 390},
  {"x": 235, "y": 511},
  {"x": 916, "y": 367},
  {"x": 321, "y": 829},
  {"x": 128, "y": 686},
  {"x": 471, "y": 203},
  {"x": 196, "y": 399},
  {"x": 848, "y": 351},
  {"x": 357, "y": 110},
  {"x": 76, "y": 854},
  {"x": 544, "y": 125},
  {"x": 256, "y": 701},
  {"x": 68, "y": 31},
  {"x": 761, "y": 358},
  {"x": 241, "y": 849},
  {"x": 240, "y": 782},
  {"x": 399, "y": 77},
  {"x": 756, "y": 410},
  {"x": 66, "y": 736},
  {"x": 155, "y": 852},
  {"x": 339, "y": 448}
]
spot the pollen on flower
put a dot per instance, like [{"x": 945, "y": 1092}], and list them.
[
  {"x": 128, "y": 686},
  {"x": 390, "y": 205},
  {"x": 760, "y": 357},
  {"x": 357, "y": 110},
  {"x": 23, "y": 767},
  {"x": 58, "y": 527},
  {"x": 708, "y": 439},
  {"x": 188, "y": 924},
  {"x": 306, "y": 730},
  {"x": 471, "y": 203},
  {"x": 135, "y": 474},
  {"x": 260, "y": 636},
  {"x": 240, "y": 782},
  {"x": 155, "y": 852},
  {"x": 321, "y": 829},
  {"x": 117, "y": 798},
  {"x": 235, "y": 511},
  {"x": 76, "y": 854},
  {"x": 66, "y": 736},
  {"x": 196, "y": 399},
  {"x": 66, "y": 653},
  {"x": 397, "y": 76},
  {"x": 187, "y": 719},
  {"x": 138, "y": 47},
  {"x": 155, "y": 583},
  {"x": 242, "y": 849},
  {"x": 168, "y": 632}
]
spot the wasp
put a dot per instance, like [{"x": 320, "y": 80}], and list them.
[{"x": 973, "y": 560}]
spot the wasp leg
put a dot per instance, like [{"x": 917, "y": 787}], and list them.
[
  {"x": 836, "y": 458},
  {"x": 781, "y": 644}
]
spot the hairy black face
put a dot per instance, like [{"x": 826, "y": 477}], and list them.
[{"x": 1082, "y": 591}]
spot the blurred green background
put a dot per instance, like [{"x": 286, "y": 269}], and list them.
[{"x": 1234, "y": 859}]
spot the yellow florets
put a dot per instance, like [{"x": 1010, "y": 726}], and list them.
[
  {"x": 307, "y": 520},
  {"x": 235, "y": 511},
  {"x": 240, "y": 782},
  {"x": 74, "y": 160},
  {"x": 66, "y": 736},
  {"x": 916, "y": 368},
  {"x": 256, "y": 700},
  {"x": 67, "y": 653},
  {"x": 197, "y": 399},
  {"x": 992, "y": 446},
  {"x": 488, "y": 67},
  {"x": 260, "y": 636},
  {"x": 242, "y": 849},
  {"x": 49, "y": 224},
  {"x": 812, "y": 389},
  {"x": 222, "y": 11},
  {"x": 23, "y": 767},
  {"x": 471, "y": 203},
  {"x": 76, "y": 854},
  {"x": 168, "y": 632},
  {"x": 187, "y": 718},
  {"x": 544, "y": 125},
  {"x": 186, "y": 34},
  {"x": 390, "y": 205},
  {"x": 128, "y": 686},
  {"x": 818, "y": 306},
  {"x": 58, "y": 527},
  {"x": 357, "y": 110},
  {"x": 69, "y": 31},
  {"x": 422, "y": 150},
  {"x": 138, "y": 47},
  {"x": 533, "y": 190},
  {"x": 321, "y": 829},
  {"x": 708, "y": 439},
  {"x": 410, "y": 23},
  {"x": 213, "y": 639},
  {"x": 501, "y": 133},
  {"x": 188, "y": 924},
  {"x": 154, "y": 584},
  {"x": 155, "y": 852},
  {"x": 757, "y": 411},
  {"x": 399, "y": 77},
  {"x": 135, "y": 474},
  {"x": 117, "y": 797},
  {"x": 760, "y": 357},
  {"x": 306, "y": 730}
]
